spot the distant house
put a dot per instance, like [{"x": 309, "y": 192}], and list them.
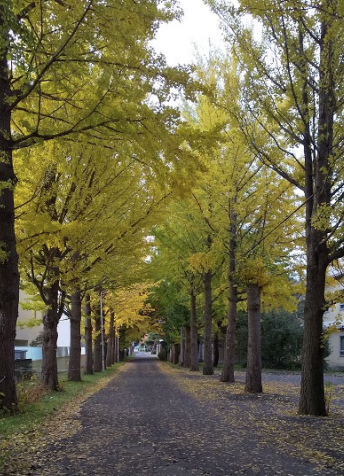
[{"x": 334, "y": 322}]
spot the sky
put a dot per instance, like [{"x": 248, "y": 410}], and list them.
[{"x": 198, "y": 29}]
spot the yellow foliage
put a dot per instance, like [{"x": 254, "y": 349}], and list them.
[{"x": 131, "y": 308}]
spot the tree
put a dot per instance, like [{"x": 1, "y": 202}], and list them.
[
  {"x": 75, "y": 347},
  {"x": 110, "y": 354},
  {"x": 281, "y": 339},
  {"x": 186, "y": 249},
  {"x": 62, "y": 67},
  {"x": 250, "y": 206},
  {"x": 293, "y": 88},
  {"x": 80, "y": 228},
  {"x": 134, "y": 315},
  {"x": 88, "y": 336}
]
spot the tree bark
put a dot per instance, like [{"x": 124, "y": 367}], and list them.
[
  {"x": 194, "y": 366},
  {"x": 110, "y": 348},
  {"x": 227, "y": 374},
  {"x": 88, "y": 370},
  {"x": 253, "y": 382},
  {"x": 318, "y": 194},
  {"x": 312, "y": 395},
  {"x": 97, "y": 353},
  {"x": 187, "y": 349},
  {"x": 175, "y": 354},
  {"x": 9, "y": 275},
  {"x": 116, "y": 348},
  {"x": 182, "y": 346},
  {"x": 74, "y": 367},
  {"x": 113, "y": 352},
  {"x": 208, "y": 368},
  {"x": 216, "y": 354},
  {"x": 51, "y": 319}
]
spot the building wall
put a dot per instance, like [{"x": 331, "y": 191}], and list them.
[
  {"x": 63, "y": 331},
  {"x": 26, "y": 335},
  {"x": 336, "y": 358},
  {"x": 334, "y": 318}
]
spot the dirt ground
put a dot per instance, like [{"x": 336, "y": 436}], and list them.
[{"x": 157, "y": 420}]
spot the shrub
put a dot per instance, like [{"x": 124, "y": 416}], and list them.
[
  {"x": 162, "y": 355},
  {"x": 30, "y": 391}
]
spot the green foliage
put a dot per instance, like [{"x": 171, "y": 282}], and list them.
[
  {"x": 282, "y": 335},
  {"x": 171, "y": 308},
  {"x": 38, "y": 341},
  {"x": 30, "y": 391},
  {"x": 162, "y": 355}
]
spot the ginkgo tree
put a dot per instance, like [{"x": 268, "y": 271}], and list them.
[
  {"x": 79, "y": 212},
  {"x": 292, "y": 86},
  {"x": 71, "y": 68},
  {"x": 238, "y": 208},
  {"x": 178, "y": 282},
  {"x": 132, "y": 311},
  {"x": 122, "y": 267}
]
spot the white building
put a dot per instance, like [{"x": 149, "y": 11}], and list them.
[
  {"x": 25, "y": 334},
  {"x": 334, "y": 322},
  {"x": 30, "y": 327}
]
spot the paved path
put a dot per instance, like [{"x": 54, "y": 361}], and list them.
[{"x": 143, "y": 423}]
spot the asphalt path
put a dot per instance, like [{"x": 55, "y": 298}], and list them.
[{"x": 145, "y": 423}]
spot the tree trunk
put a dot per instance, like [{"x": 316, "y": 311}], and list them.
[
  {"x": 318, "y": 196},
  {"x": 74, "y": 367},
  {"x": 88, "y": 337},
  {"x": 312, "y": 395},
  {"x": 9, "y": 275},
  {"x": 110, "y": 348},
  {"x": 187, "y": 350},
  {"x": 116, "y": 349},
  {"x": 216, "y": 350},
  {"x": 175, "y": 354},
  {"x": 193, "y": 334},
  {"x": 50, "y": 321},
  {"x": 227, "y": 374},
  {"x": 113, "y": 351},
  {"x": 253, "y": 382},
  {"x": 182, "y": 346},
  {"x": 208, "y": 368},
  {"x": 97, "y": 341}
]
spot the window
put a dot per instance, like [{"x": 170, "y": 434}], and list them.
[
  {"x": 341, "y": 344},
  {"x": 341, "y": 306}
]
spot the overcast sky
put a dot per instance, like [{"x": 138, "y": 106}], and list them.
[{"x": 198, "y": 29}]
